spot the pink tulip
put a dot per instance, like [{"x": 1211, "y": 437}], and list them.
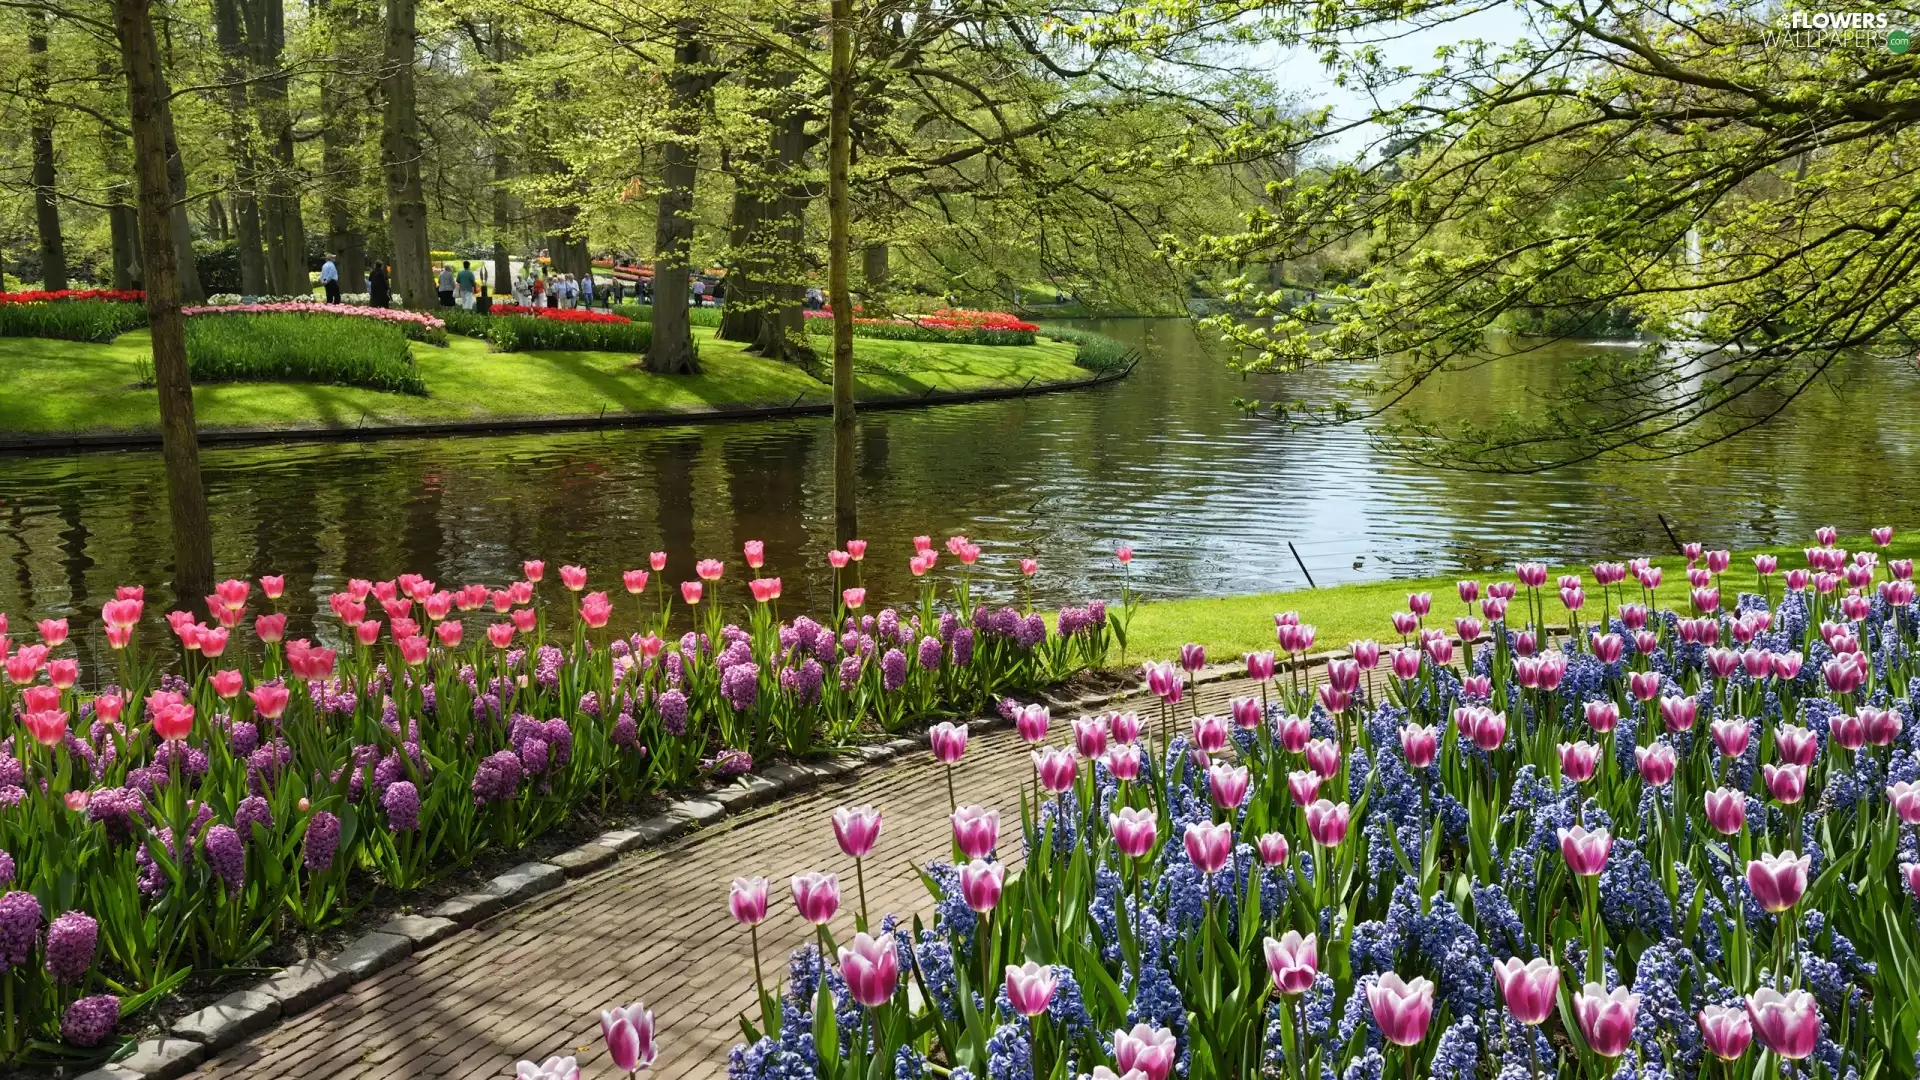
[
  {"x": 1644, "y": 685},
  {"x": 1585, "y": 850},
  {"x": 1209, "y": 734},
  {"x": 1406, "y": 663},
  {"x": 269, "y": 700},
  {"x": 1530, "y": 988},
  {"x": 981, "y": 884},
  {"x": 64, "y": 672},
  {"x": 1029, "y": 567},
  {"x": 1602, "y": 716},
  {"x": 839, "y": 560},
  {"x": 1726, "y": 810},
  {"x": 1726, "y": 1031},
  {"x": 1795, "y": 745},
  {"x": 172, "y": 719},
  {"x": 1123, "y": 762},
  {"x": 1134, "y": 831},
  {"x": 949, "y": 741},
  {"x": 413, "y": 650},
  {"x": 1260, "y": 666},
  {"x": 573, "y": 577},
  {"x": 1090, "y": 737},
  {"x": 1419, "y": 745},
  {"x": 1606, "y": 1019},
  {"x": 1246, "y": 713},
  {"x": 1679, "y": 713},
  {"x": 1579, "y": 761},
  {"x": 764, "y": 589},
  {"x": 856, "y": 550},
  {"x": 871, "y": 968},
  {"x": 554, "y": 1068},
  {"x": 49, "y": 727},
  {"x": 690, "y": 592},
  {"x": 657, "y": 560},
  {"x": 1123, "y": 553},
  {"x": 629, "y": 1037},
  {"x": 1293, "y": 961},
  {"x": 755, "y": 554},
  {"x": 857, "y": 828},
  {"x": 1905, "y": 797},
  {"x": 273, "y": 586},
  {"x": 1883, "y": 725},
  {"x": 1208, "y": 846},
  {"x": 1469, "y": 591},
  {"x": 975, "y": 831},
  {"x": 635, "y": 581},
  {"x": 1030, "y": 987},
  {"x": 1147, "y": 1049},
  {"x": 1494, "y": 608},
  {"x": 1057, "y": 768},
  {"x": 1731, "y": 736},
  {"x": 1366, "y": 653},
  {"x": 709, "y": 569},
  {"x": 534, "y": 569},
  {"x": 1440, "y": 650},
  {"x": 1272, "y": 848},
  {"x": 525, "y": 620},
  {"x": 1786, "y": 783},
  {"x": 1402, "y": 1010},
  {"x": 1192, "y": 657},
  {"x": 1778, "y": 880},
  {"x": 596, "y": 610},
  {"x": 855, "y": 598},
  {"x": 1032, "y": 722},
  {"x": 817, "y": 896},
  {"x": 1229, "y": 784},
  {"x": 450, "y": 633},
  {"x": 1656, "y": 762},
  {"x": 747, "y": 900},
  {"x": 1304, "y": 786},
  {"x": 1323, "y": 757},
  {"x": 1294, "y": 733},
  {"x": 1343, "y": 675},
  {"x": 500, "y": 634},
  {"x": 1327, "y": 822},
  {"x": 1848, "y": 732},
  {"x": 1467, "y": 627},
  {"x": 1787, "y": 1024}
]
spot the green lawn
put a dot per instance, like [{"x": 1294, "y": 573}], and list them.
[
  {"x": 1231, "y": 625},
  {"x": 51, "y": 386}
]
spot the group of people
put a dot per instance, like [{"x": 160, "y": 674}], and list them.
[
  {"x": 379, "y": 286},
  {"x": 531, "y": 289},
  {"x": 457, "y": 288}
]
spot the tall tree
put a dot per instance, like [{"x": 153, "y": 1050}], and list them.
[
  {"x": 400, "y": 157},
  {"x": 671, "y": 351},
  {"x": 230, "y": 34},
  {"x": 46, "y": 198},
  {"x": 151, "y": 119},
  {"x": 846, "y": 517},
  {"x": 344, "y": 24}
]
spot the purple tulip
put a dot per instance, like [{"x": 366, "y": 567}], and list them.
[
  {"x": 1057, "y": 768},
  {"x": 857, "y": 828},
  {"x": 1208, "y": 846},
  {"x": 1293, "y": 961},
  {"x": 1787, "y": 1024},
  {"x": 949, "y": 741},
  {"x": 1606, "y": 1019},
  {"x": 1585, "y": 851},
  {"x": 976, "y": 831},
  {"x": 1229, "y": 784},
  {"x": 981, "y": 884},
  {"x": 1726, "y": 810},
  {"x": 1401, "y": 1010},
  {"x": 1134, "y": 831},
  {"x": 1030, "y": 987},
  {"x": 1419, "y": 744},
  {"x": 1151, "y": 1050},
  {"x": 747, "y": 900},
  {"x": 1192, "y": 657},
  {"x": 1327, "y": 822}
]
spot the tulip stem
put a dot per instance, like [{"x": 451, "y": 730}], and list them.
[
  {"x": 860, "y": 876},
  {"x": 759, "y": 981}
]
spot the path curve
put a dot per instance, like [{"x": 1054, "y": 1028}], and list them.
[{"x": 530, "y": 982}]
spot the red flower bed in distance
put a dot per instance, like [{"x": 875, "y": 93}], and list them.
[
  {"x": 578, "y": 315},
  {"x": 35, "y": 296}
]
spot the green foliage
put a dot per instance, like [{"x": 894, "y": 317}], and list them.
[
  {"x": 909, "y": 332},
  {"x": 463, "y": 322},
  {"x": 1095, "y": 352},
  {"x": 521, "y": 333},
  {"x": 72, "y": 320},
  {"x": 302, "y": 348}
]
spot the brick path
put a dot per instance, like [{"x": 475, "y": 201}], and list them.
[{"x": 654, "y": 927}]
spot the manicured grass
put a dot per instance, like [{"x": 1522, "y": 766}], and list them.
[
  {"x": 49, "y": 386},
  {"x": 1232, "y": 625}
]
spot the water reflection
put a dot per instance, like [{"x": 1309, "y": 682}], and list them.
[{"x": 1208, "y": 496}]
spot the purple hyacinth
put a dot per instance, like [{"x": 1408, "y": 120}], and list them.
[
  {"x": 929, "y": 653},
  {"x": 740, "y": 685},
  {"x": 893, "y": 670},
  {"x": 497, "y": 778},
  {"x": 12, "y": 773},
  {"x": 7, "y": 870},
  {"x": 20, "y": 920},
  {"x": 849, "y": 672},
  {"x": 402, "y": 804},
  {"x": 226, "y": 857},
  {"x": 673, "y": 712},
  {"x": 559, "y": 742},
  {"x": 804, "y": 682},
  {"x": 625, "y": 732},
  {"x": 70, "y": 944},
  {"x": 243, "y": 738},
  {"x": 533, "y": 755},
  {"x": 323, "y": 837},
  {"x": 962, "y": 646},
  {"x": 90, "y": 1020},
  {"x": 252, "y": 813}
]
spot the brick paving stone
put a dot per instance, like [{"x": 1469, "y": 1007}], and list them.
[{"x": 529, "y": 981}]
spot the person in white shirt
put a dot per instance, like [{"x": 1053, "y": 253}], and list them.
[{"x": 330, "y": 280}]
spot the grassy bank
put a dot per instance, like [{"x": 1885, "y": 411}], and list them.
[
  {"x": 1231, "y": 625},
  {"x": 60, "y": 387}
]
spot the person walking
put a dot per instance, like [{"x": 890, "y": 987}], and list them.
[
  {"x": 463, "y": 283},
  {"x": 699, "y": 293},
  {"x": 446, "y": 285},
  {"x": 539, "y": 290},
  {"x": 330, "y": 280},
  {"x": 379, "y": 292},
  {"x": 586, "y": 289}
]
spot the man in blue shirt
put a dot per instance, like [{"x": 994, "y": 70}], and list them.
[{"x": 330, "y": 280}]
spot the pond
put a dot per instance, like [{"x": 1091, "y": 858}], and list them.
[{"x": 1209, "y": 497}]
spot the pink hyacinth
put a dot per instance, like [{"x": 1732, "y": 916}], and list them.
[{"x": 1293, "y": 962}]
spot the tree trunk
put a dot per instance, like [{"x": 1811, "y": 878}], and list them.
[
  {"x": 502, "y": 170},
  {"x": 746, "y": 293},
  {"x": 400, "y": 153},
  {"x": 783, "y": 329},
  {"x": 873, "y": 271},
  {"x": 123, "y": 229},
  {"x": 286, "y": 232},
  {"x": 246, "y": 206},
  {"x": 846, "y": 518},
  {"x": 153, "y": 153},
  {"x": 186, "y": 272},
  {"x": 46, "y": 204},
  {"x": 671, "y": 352},
  {"x": 339, "y": 131}
]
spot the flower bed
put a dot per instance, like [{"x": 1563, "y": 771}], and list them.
[
  {"x": 417, "y": 325},
  {"x": 251, "y": 783},
  {"x": 576, "y": 329},
  {"x": 303, "y": 348},
  {"x": 575, "y": 315},
  {"x": 72, "y": 314},
  {"x": 949, "y": 325},
  {"x": 1674, "y": 843}
]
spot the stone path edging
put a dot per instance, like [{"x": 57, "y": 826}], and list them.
[{"x": 301, "y": 987}]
